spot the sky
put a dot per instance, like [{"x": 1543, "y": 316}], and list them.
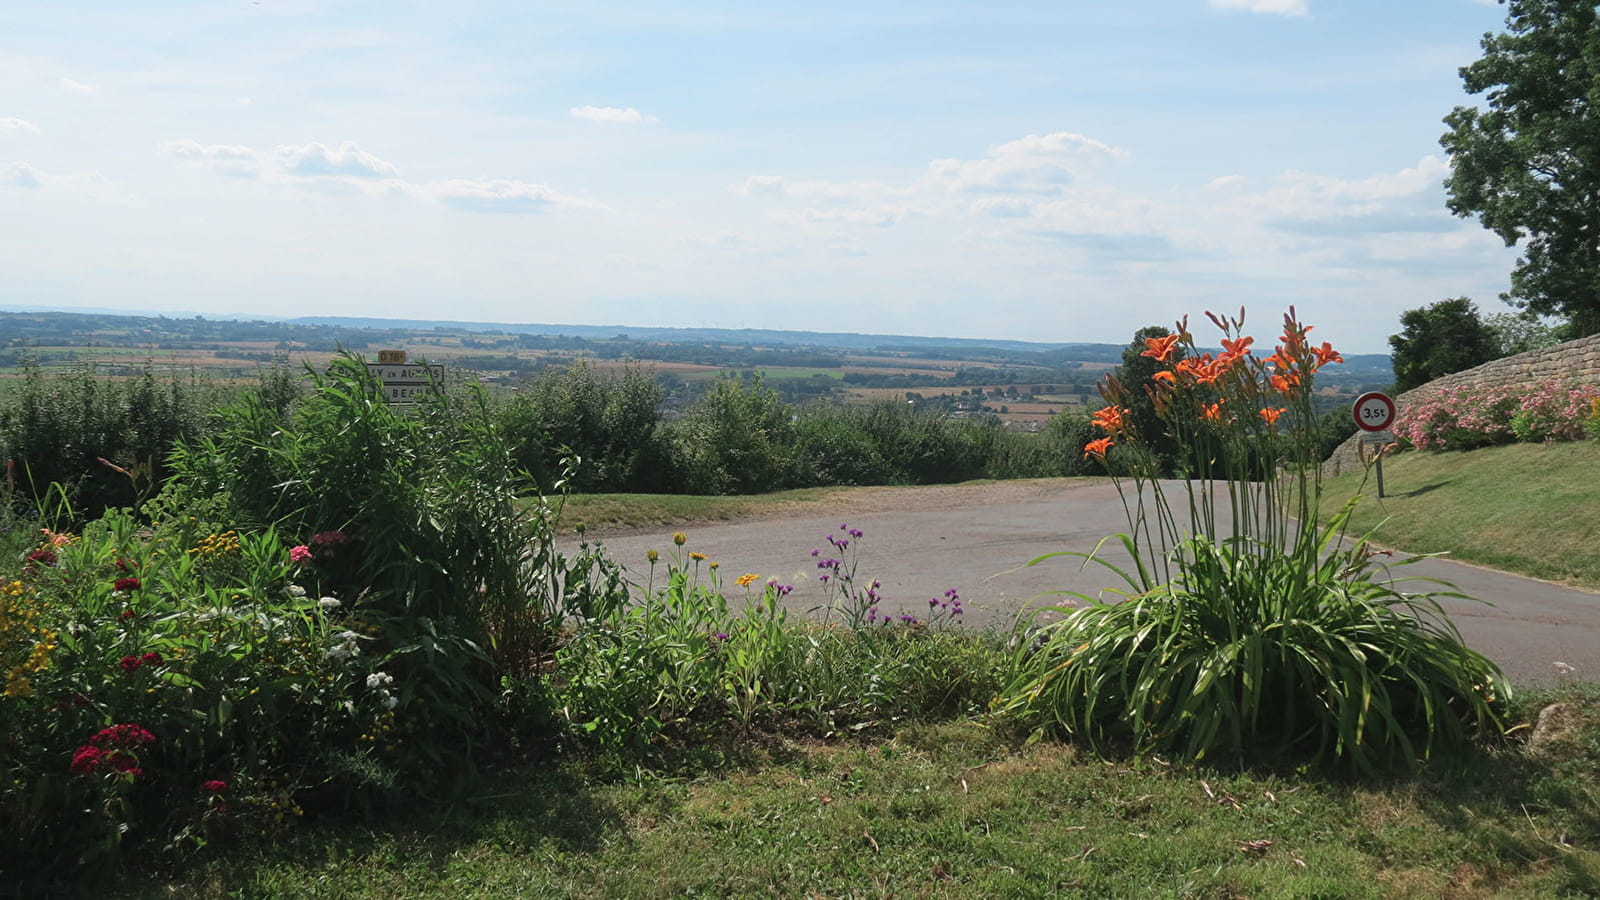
[{"x": 1053, "y": 171}]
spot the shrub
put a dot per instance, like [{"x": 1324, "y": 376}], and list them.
[
  {"x": 610, "y": 422},
  {"x": 737, "y": 439},
  {"x": 1463, "y": 417},
  {"x": 103, "y": 441},
  {"x": 1245, "y": 627},
  {"x": 176, "y": 684}
]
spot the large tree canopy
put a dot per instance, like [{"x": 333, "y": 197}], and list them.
[
  {"x": 1438, "y": 339},
  {"x": 1529, "y": 165}
]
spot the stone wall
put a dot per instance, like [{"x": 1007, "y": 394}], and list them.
[{"x": 1576, "y": 361}]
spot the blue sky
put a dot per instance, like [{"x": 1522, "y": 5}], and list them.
[{"x": 1053, "y": 171}]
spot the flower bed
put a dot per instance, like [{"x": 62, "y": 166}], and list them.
[{"x": 1461, "y": 417}]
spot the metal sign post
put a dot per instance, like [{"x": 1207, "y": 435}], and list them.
[
  {"x": 1374, "y": 413},
  {"x": 403, "y": 383}
]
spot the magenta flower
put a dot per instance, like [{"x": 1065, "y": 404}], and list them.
[{"x": 300, "y": 555}]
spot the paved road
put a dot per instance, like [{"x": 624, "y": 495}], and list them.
[{"x": 978, "y": 539}]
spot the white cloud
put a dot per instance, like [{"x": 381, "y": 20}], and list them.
[
  {"x": 224, "y": 159},
  {"x": 78, "y": 87},
  {"x": 314, "y": 160},
  {"x": 1225, "y": 183},
  {"x": 614, "y": 115},
  {"x": 1270, "y": 7},
  {"x": 499, "y": 196},
  {"x": 20, "y": 175},
  {"x": 762, "y": 184},
  {"x": 876, "y": 218},
  {"x": 1034, "y": 164},
  {"x": 1302, "y": 195},
  {"x": 12, "y": 123}
]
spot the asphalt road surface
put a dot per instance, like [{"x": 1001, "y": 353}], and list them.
[{"x": 978, "y": 540}]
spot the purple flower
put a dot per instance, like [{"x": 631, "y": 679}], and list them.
[
  {"x": 815, "y": 552},
  {"x": 932, "y": 602},
  {"x": 855, "y": 533},
  {"x": 822, "y": 578},
  {"x": 720, "y": 636}
]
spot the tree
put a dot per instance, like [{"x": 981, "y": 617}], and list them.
[
  {"x": 1137, "y": 372},
  {"x": 1528, "y": 166},
  {"x": 1520, "y": 332},
  {"x": 1438, "y": 339}
]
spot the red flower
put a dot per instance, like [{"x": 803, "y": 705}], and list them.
[
  {"x": 152, "y": 659},
  {"x": 213, "y": 786},
  {"x": 43, "y": 557},
  {"x": 125, "y": 584},
  {"x": 85, "y": 760},
  {"x": 130, "y": 663},
  {"x": 128, "y": 734},
  {"x": 125, "y": 615}
]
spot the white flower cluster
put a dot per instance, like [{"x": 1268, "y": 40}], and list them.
[
  {"x": 344, "y": 646},
  {"x": 380, "y": 681}
]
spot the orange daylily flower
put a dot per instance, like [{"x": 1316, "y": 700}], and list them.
[
  {"x": 1212, "y": 412},
  {"x": 1286, "y": 384},
  {"x": 1238, "y": 347},
  {"x": 1110, "y": 419},
  {"x": 1326, "y": 354},
  {"x": 1161, "y": 348},
  {"x": 1097, "y": 448},
  {"x": 1165, "y": 376},
  {"x": 1270, "y": 415}
]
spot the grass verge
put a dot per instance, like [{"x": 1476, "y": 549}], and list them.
[
  {"x": 616, "y": 512},
  {"x": 1533, "y": 509},
  {"x": 957, "y": 810}
]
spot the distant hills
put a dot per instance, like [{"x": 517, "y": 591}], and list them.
[
  {"x": 834, "y": 339},
  {"x": 34, "y": 325}
]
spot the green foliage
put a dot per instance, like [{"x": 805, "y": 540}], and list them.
[
  {"x": 681, "y": 662},
  {"x": 737, "y": 439},
  {"x": 1135, "y": 373},
  {"x": 1439, "y": 339},
  {"x": 203, "y": 640},
  {"x": 1249, "y": 650},
  {"x": 1527, "y": 165},
  {"x": 1243, "y": 627},
  {"x": 607, "y": 421},
  {"x": 1520, "y": 332},
  {"x": 55, "y": 429}
]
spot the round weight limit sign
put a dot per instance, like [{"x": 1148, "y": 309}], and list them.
[{"x": 1374, "y": 411}]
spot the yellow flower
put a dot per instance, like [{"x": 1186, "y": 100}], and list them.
[
  {"x": 746, "y": 579},
  {"x": 697, "y": 556},
  {"x": 679, "y": 538},
  {"x": 652, "y": 555},
  {"x": 715, "y": 565}
]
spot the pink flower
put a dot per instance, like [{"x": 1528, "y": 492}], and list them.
[
  {"x": 213, "y": 786},
  {"x": 300, "y": 555}
]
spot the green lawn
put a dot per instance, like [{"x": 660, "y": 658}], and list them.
[
  {"x": 958, "y": 810},
  {"x": 1527, "y": 508},
  {"x": 604, "y": 512}
]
